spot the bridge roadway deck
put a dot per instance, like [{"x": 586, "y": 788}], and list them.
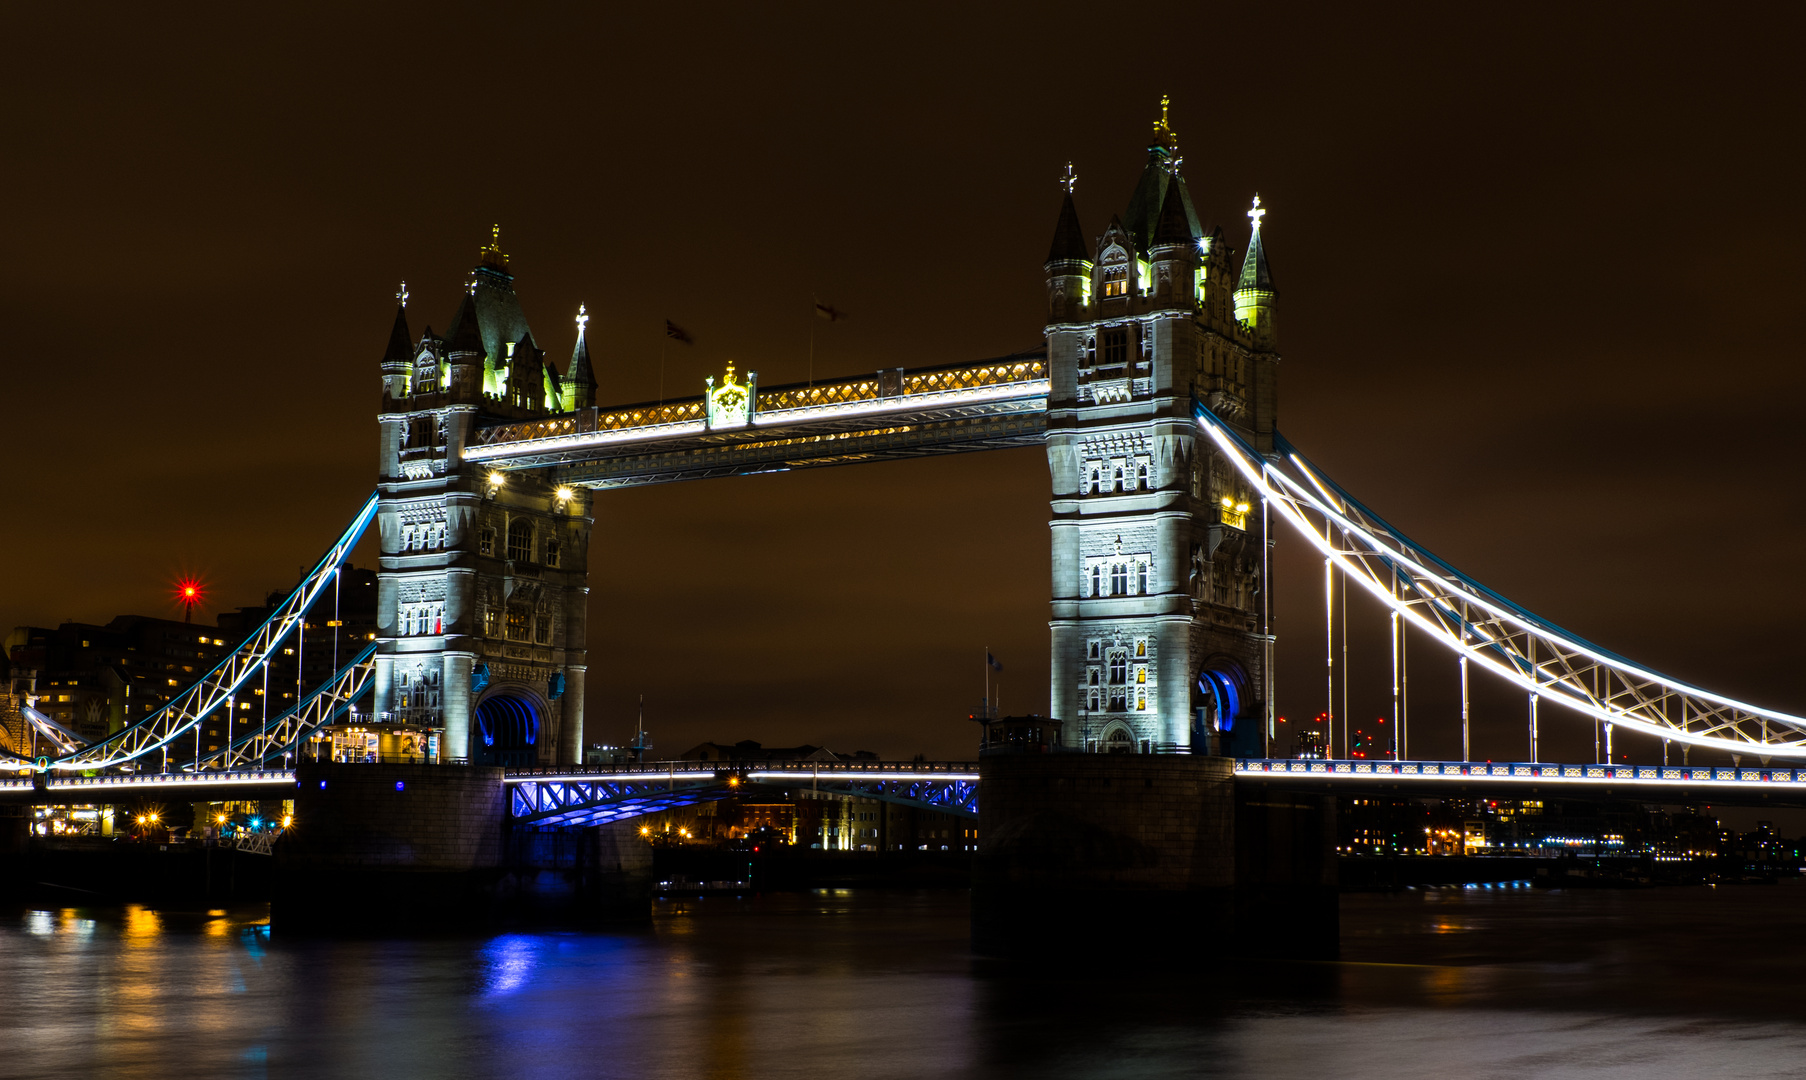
[
  {"x": 1724, "y": 785},
  {"x": 1739, "y": 785}
]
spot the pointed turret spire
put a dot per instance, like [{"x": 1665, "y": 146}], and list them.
[
  {"x": 580, "y": 377},
  {"x": 401, "y": 345},
  {"x": 1255, "y": 272},
  {"x": 1069, "y": 238},
  {"x": 465, "y": 335},
  {"x": 1173, "y": 226}
]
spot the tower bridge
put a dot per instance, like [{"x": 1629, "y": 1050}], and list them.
[{"x": 1155, "y": 397}]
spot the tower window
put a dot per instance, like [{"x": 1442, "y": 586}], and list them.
[
  {"x": 1116, "y": 348},
  {"x": 542, "y": 629},
  {"x": 1141, "y": 477},
  {"x": 1116, "y": 481},
  {"x": 1119, "y": 579},
  {"x": 1096, "y": 577},
  {"x": 1092, "y": 487},
  {"x": 1093, "y": 651},
  {"x": 552, "y": 553},
  {"x": 1116, "y": 281},
  {"x": 1096, "y": 675},
  {"x": 520, "y": 622},
  {"x": 1141, "y": 584},
  {"x": 520, "y": 540},
  {"x": 1119, "y": 668},
  {"x": 486, "y": 541}
]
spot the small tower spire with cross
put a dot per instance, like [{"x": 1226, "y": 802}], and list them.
[
  {"x": 1069, "y": 179},
  {"x": 1256, "y": 213},
  {"x": 401, "y": 294}
]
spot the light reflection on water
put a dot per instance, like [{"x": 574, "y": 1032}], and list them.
[{"x": 1450, "y": 983}]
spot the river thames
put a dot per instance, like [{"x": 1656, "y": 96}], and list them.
[{"x": 1464, "y": 982}]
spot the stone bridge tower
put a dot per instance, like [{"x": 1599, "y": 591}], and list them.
[
  {"x": 483, "y": 581},
  {"x": 1160, "y": 629}
]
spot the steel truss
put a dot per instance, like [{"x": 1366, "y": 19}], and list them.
[
  {"x": 1475, "y": 622},
  {"x": 221, "y": 686},
  {"x": 573, "y": 799},
  {"x": 282, "y": 734}
]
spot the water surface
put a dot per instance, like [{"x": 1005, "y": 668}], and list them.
[{"x": 1502, "y": 982}]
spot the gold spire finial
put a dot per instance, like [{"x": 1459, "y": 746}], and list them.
[
  {"x": 492, "y": 255},
  {"x": 1163, "y": 131}
]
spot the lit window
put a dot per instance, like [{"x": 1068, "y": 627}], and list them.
[
  {"x": 1116, "y": 281},
  {"x": 520, "y": 622},
  {"x": 1141, "y": 647},
  {"x": 1141, "y": 702},
  {"x": 1119, "y": 579},
  {"x": 1141, "y": 674}
]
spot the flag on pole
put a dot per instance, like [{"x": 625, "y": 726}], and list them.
[
  {"x": 992, "y": 661},
  {"x": 676, "y": 333},
  {"x": 827, "y": 313}
]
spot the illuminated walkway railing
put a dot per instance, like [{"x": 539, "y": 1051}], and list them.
[{"x": 897, "y": 391}]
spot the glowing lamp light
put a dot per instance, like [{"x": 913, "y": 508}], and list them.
[
  {"x": 564, "y": 494},
  {"x": 496, "y": 479}
]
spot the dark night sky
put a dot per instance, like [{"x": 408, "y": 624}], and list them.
[{"x": 1540, "y": 282}]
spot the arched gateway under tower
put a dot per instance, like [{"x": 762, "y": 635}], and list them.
[{"x": 491, "y": 455}]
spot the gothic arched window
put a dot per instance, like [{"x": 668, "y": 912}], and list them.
[
  {"x": 1119, "y": 668},
  {"x": 552, "y": 553},
  {"x": 1092, "y": 487},
  {"x": 1096, "y": 577},
  {"x": 1141, "y": 477},
  {"x": 1119, "y": 579},
  {"x": 1141, "y": 578},
  {"x": 1116, "y": 483}
]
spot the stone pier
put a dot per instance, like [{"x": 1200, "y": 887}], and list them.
[
  {"x": 1148, "y": 860},
  {"x": 398, "y": 848}
]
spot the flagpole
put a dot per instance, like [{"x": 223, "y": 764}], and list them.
[
  {"x": 812, "y": 317},
  {"x": 662, "y": 342},
  {"x": 987, "y": 697}
]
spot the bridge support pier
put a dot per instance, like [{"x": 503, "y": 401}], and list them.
[
  {"x": 388, "y": 848},
  {"x": 1148, "y": 860}
]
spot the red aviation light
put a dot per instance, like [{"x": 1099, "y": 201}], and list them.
[{"x": 189, "y": 592}]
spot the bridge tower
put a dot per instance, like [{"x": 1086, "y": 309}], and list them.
[
  {"x": 483, "y": 581},
  {"x": 1160, "y": 637}
]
